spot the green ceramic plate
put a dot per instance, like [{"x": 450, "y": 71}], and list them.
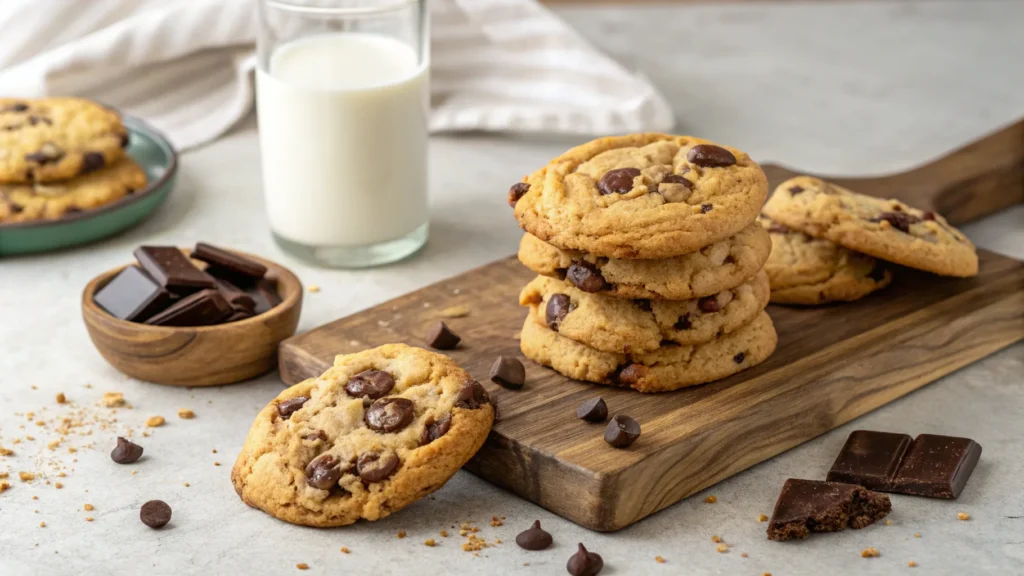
[{"x": 156, "y": 156}]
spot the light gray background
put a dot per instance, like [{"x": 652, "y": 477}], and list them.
[{"x": 838, "y": 88}]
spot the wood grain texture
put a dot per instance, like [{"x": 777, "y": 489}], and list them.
[{"x": 195, "y": 356}]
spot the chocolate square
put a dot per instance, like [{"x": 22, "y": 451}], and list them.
[
  {"x": 937, "y": 466},
  {"x": 132, "y": 295},
  {"x": 870, "y": 459}
]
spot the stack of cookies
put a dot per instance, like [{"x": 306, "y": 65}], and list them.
[
  {"x": 831, "y": 244},
  {"x": 61, "y": 156},
  {"x": 650, "y": 261}
]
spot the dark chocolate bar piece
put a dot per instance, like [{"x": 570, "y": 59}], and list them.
[
  {"x": 234, "y": 295},
  {"x": 132, "y": 295},
  {"x": 870, "y": 459},
  {"x": 937, "y": 466},
  {"x": 203, "y": 308},
  {"x": 265, "y": 294},
  {"x": 172, "y": 269},
  {"x": 806, "y": 506},
  {"x": 229, "y": 261}
]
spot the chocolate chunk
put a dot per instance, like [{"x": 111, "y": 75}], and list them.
[
  {"x": 534, "y": 538},
  {"x": 709, "y": 304},
  {"x": 622, "y": 431},
  {"x": 585, "y": 276},
  {"x": 683, "y": 323},
  {"x": 508, "y": 372},
  {"x": 155, "y": 514},
  {"x": 472, "y": 396},
  {"x": 869, "y": 459},
  {"x": 323, "y": 472},
  {"x": 374, "y": 466},
  {"x": 710, "y": 156},
  {"x": 372, "y": 384},
  {"x": 937, "y": 466},
  {"x": 629, "y": 374},
  {"x": 203, "y": 308},
  {"x": 677, "y": 179},
  {"x": 806, "y": 506},
  {"x": 126, "y": 451},
  {"x": 618, "y": 181},
  {"x": 584, "y": 563},
  {"x": 559, "y": 305},
  {"x": 516, "y": 192},
  {"x": 441, "y": 337},
  {"x": 132, "y": 295},
  {"x": 225, "y": 260},
  {"x": 899, "y": 220},
  {"x": 794, "y": 190},
  {"x": 235, "y": 296},
  {"x": 434, "y": 430},
  {"x": 593, "y": 410},
  {"x": 16, "y": 107},
  {"x": 389, "y": 414},
  {"x": 314, "y": 436},
  {"x": 705, "y": 208},
  {"x": 739, "y": 357},
  {"x": 264, "y": 292},
  {"x": 91, "y": 162},
  {"x": 172, "y": 269},
  {"x": 288, "y": 407},
  {"x": 48, "y": 153},
  {"x": 238, "y": 314}
]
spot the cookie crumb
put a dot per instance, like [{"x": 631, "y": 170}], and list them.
[
  {"x": 61, "y": 398},
  {"x": 917, "y": 534},
  {"x": 762, "y": 518},
  {"x": 743, "y": 554},
  {"x": 345, "y": 550},
  {"x": 963, "y": 516},
  {"x": 4, "y": 487},
  {"x": 659, "y": 559},
  {"x": 186, "y": 414},
  {"x": 716, "y": 539},
  {"x": 302, "y": 566},
  {"x": 42, "y": 524},
  {"x": 155, "y": 422},
  {"x": 459, "y": 311},
  {"x": 58, "y": 486},
  {"x": 723, "y": 548},
  {"x": 495, "y": 521},
  {"x": 113, "y": 399},
  {"x": 869, "y": 553},
  {"x": 89, "y": 518},
  {"x": 214, "y": 451},
  {"x": 474, "y": 543},
  {"x": 401, "y": 534},
  {"x": 216, "y": 463},
  {"x": 888, "y": 522},
  {"x": 444, "y": 533},
  {"x": 911, "y": 564},
  {"x": 6, "y": 451},
  {"x": 53, "y": 445},
  {"x": 430, "y": 542},
  {"x": 88, "y": 507},
  {"x": 517, "y": 335},
  {"x": 26, "y": 476},
  {"x": 314, "y": 288},
  {"x": 187, "y": 484},
  {"x": 711, "y": 499}
]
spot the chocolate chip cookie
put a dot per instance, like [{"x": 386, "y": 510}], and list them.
[
  {"x": 639, "y": 326},
  {"x": 39, "y": 201},
  {"x": 886, "y": 229},
  {"x": 644, "y": 196},
  {"x": 376, "y": 432},
  {"x": 710, "y": 270},
  {"x": 809, "y": 271},
  {"x": 668, "y": 368},
  {"x": 53, "y": 139}
]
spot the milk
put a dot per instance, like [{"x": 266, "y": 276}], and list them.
[{"x": 343, "y": 131}]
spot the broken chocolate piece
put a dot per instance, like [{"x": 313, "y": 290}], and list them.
[
  {"x": 441, "y": 337},
  {"x": 593, "y": 410},
  {"x": 508, "y": 372},
  {"x": 132, "y": 295},
  {"x": 172, "y": 269},
  {"x": 937, "y": 466},
  {"x": 225, "y": 260},
  {"x": 203, "y": 308},
  {"x": 622, "y": 431},
  {"x": 869, "y": 459},
  {"x": 265, "y": 294},
  {"x": 806, "y": 506},
  {"x": 235, "y": 296}
]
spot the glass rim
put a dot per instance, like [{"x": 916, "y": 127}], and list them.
[{"x": 384, "y": 7}]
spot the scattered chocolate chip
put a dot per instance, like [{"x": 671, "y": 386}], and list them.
[
  {"x": 534, "y": 538},
  {"x": 585, "y": 276},
  {"x": 508, "y": 372},
  {"x": 434, "y": 430},
  {"x": 899, "y": 220},
  {"x": 374, "y": 466},
  {"x": 739, "y": 357},
  {"x": 705, "y": 208},
  {"x": 389, "y": 414},
  {"x": 323, "y": 472},
  {"x": 618, "y": 181},
  {"x": 559, "y": 305},
  {"x": 516, "y": 192},
  {"x": 709, "y": 155},
  {"x": 155, "y": 514},
  {"x": 677, "y": 179},
  {"x": 92, "y": 161},
  {"x": 291, "y": 406},
  {"x": 318, "y": 435},
  {"x": 372, "y": 384},
  {"x": 472, "y": 396},
  {"x": 794, "y": 190},
  {"x": 441, "y": 337},
  {"x": 622, "y": 431},
  {"x": 709, "y": 304},
  {"x": 584, "y": 563},
  {"x": 126, "y": 451},
  {"x": 629, "y": 374},
  {"x": 928, "y": 215},
  {"x": 683, "y": 323},
  {"x": 593, "y": 410}
]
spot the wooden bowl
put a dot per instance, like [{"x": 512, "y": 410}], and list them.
[{"x": 195, "y": 356}]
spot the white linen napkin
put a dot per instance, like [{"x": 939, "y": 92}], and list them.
[{"x": 186, "y": 66}]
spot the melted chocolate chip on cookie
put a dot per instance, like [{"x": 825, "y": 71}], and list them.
[
  {"x": 472, "y": 396},
  {"x": 434, "y": 430},
  {"x": 618, "y": 181},
  {"x": 377, "y": 466},
  {"x": 710, "y": 156},
  {"x": 516, "y": 192},
  {"x": 323, "y": 472},
  {"x": 372, "y": 384},
  {"x": 291, "y": 406},
  {"x": 559, "y": 305},
  {"x": 389, "y": 414},
  {"x": 585, "y": 276}
]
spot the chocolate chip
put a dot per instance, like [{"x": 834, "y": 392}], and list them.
[
  {"x": 709, "y": 155},
  {"x": 584, "y": 563},
  {"x": 677, "y": 179},
  {"x": 622, "y": 431},
  {"x": 441, "y": 337},
  {"x": 794, "y": 190},
  {"x": 618, "y": 181},
  {"x": 593, "y": 410},
  {"x": 17, "y": 107},
  {"x": 559, "y": 305},
  {"x": 683, "y": 323},
  {"x": 928, "y": 215},
  {"x": 878, "y": 272},
  {"x": 434, "y": 430},
  {"x": 705, "y": 208},
  {"x": 899, "y": 220},
  {"x": 708, "y": 304},
  {"x": 516, "y": 192},
  {"x": 508, "y": 372},
  {"x": 91, "y": 162},
  {"x": 155, "y": 514},
  {"x": 372, "y": 384},
  {"x": 472, "y": 396},
  {"x": 534, "y": 538},
  {"x": 629, "y": 374},
  {"x": 643, "y": 304},
  {"x": 389, "y": 414},
  {"x": 126, "y": 451},
  {"x": 374, "y": 466},
  {"x": 585, "y": 276},
  {"x": 291, "y": 406},
  {"x": 318, "y": 435},
  {"x": 323, "y": 472},
  {"x": 777, "y": 228},
  {"x": 16, "y": 209},
  {"x": 126, "y": 139},
  {"x": 46, "y": 154},
  {"x": 739, "y": 357}
]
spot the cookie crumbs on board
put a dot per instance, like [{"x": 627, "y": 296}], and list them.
[
  {"x": 716, "y": 539},
  {"x": 474, "y": 543},
  {"x": 26, "y": 476},
  {"x": 963, "y": 516},
  {"x": 6, "y": 451},
  {"x": 711, "y": 499},
  {"x": 917, "y": 534},
  {"x": 186, "y": 414},
  {"x": 762, "y": 518},
  {"x": 722, "y": 548},
  {"x": 911, "y": 564},
  {"x": 659, "y": 559},
  {"x": 113, "y": 399},
  {"x": 4, "y": 487},
  {"x": 155, "y": 422},
  {"x": 869, "y": 553},
  {"x": 58, "y": 486},
  {"x": 743, "y": 554},
  {"x": 61, "y": 398},
  {"x": 302, "y": 566},
  {"x": 88, "y": 507},
  {"x": 401, "y": 534},
  {"x": 495, "y": 521},
  {"x": 345, "y": 550},
  {"x": 444, "y": 533},
  {"x": 314, "y": 288},
  {"x": 430, "y": 542},
  {"x": 888, "y": 522}
]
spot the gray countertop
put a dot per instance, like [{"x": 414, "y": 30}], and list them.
[{"x": 841, "y": 88}]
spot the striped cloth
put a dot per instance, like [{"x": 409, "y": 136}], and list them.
[{"x": 186, "y": 66}]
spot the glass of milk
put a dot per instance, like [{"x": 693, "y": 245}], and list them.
[{"x": 342, "y": 95}]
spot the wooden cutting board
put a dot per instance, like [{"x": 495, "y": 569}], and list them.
[{"x": 832, "y": 364}]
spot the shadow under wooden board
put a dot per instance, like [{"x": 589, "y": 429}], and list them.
[{"x": 833, "y": 363}]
